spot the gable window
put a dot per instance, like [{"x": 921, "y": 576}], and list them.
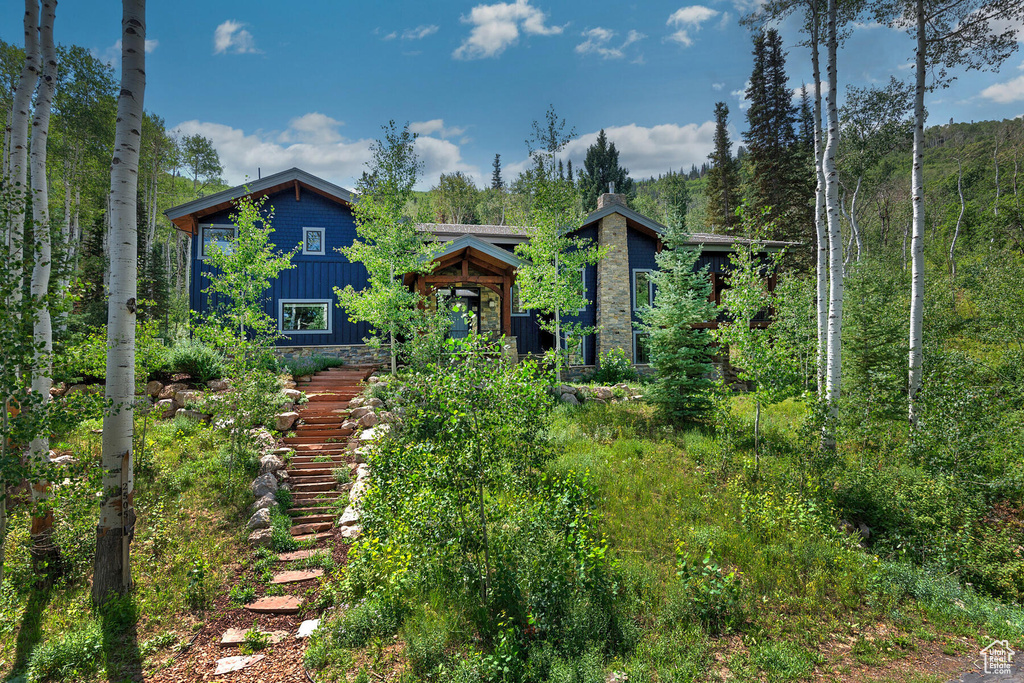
[
  {"x": 641, "y": 354},
  {"x": 304, "y": 316},
  {"x": 221, "y": 235},
  {"x": 643, "y": 288},
  {"x": 517, "y": 304},
  {"x": 313, "y": 240}
]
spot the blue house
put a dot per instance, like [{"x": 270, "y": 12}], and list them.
[{"x": 477, "y": 266}]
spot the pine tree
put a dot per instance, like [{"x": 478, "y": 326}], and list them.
[
  {"x": 601, "y": 167},
  {"x": 806, "y": 122},
  {"x": 723, "y": 177},
  {"x": 779, "y": 179},
  {"x": 568, "y": 172},
  {"x": 678, "y": 351},
  {"x": 496, "y": 182}
]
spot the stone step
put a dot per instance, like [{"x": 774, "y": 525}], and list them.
[
  {"x": 312, "y": 488},
  {"x": 296, "y": 555},
  {"x": 323, "y": 536},
  {"x": 313, "y": 449},
  {"x": 310, "y": 463},
  {"x": 325, "y": 420},
  {"x": 296, "y": 576},
  {"x": 234, "y": 637},
  {"x": 314, "y": 498},
  {"x": 333, "y": 397},
  {"x": 324, "y": 432},
  {"x": 318, "y": 469},
  {"x": 313, "y": 510},
  {"x": 277, "y": 604},
  {"x": 318, "y": 440},
  {"x": 303, "y": 479},
  {"x": 313, "y": 519}
]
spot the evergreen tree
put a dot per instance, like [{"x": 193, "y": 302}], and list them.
[
  {"x": 496, "y": 182},
  {"x": 679, "y": 351},
  {"x": 723, "y": 176},
  {"x": 779, "y": 179},
  {"x": 601, "y": 166},
  {"x": 568, "y": 172},
  {"x": 806, "y": 122}
]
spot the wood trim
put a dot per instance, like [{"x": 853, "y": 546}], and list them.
[
  {"x": 469, "y": 279},
  {"x": 297, "y": 198},
  {"x": 506, "y": 307}
]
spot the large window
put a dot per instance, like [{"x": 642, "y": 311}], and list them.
[
  {"x": 641, "y": 355},
  {"x": 517, "y": 304},
  {"x": 304, "y": 317},
  {"x": 313, "y": 240},
  {"x": 221, "y": 235},
  {"x": 643, "y": 289}
]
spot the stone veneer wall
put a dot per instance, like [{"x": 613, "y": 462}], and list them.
[
  {"x": 614, "y": 304},
  {"x": 354, "y": 354}
]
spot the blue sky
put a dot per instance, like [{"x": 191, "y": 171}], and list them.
[{"x": 309, "y": 83}]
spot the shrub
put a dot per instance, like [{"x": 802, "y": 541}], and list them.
[
  {"x": 613, "y": 368},
  {"x": 76, "y": 655},
  {"x": 196, "y": 359},
  {"x": 197, "y": 592},
  {"x": 427, "y": 633},
  {"x": 298, "y": 367},
  {"x": 708, "y": 592},
  {"x": 372, "y": 618}
]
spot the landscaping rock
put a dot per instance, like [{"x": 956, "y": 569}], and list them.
[
  {"x": 170, "y": 390},
  {"x": 283, "y": 451},
  {"x": 264, "y": 485},
  {"x": 166, "y": 407},
  {"x": 153, "y": 388},
  {"x": 349, "y": 518},
  {"x": 296, "y": 576},
  {"x": 864, "y": 530},
  {"x": 192, "y": 415},
  {"x": 283, "y": 479},
  {"x": 374, "y": 403},
  {"x": 261, "y": 538},
  {"x": 270, "y": 463},
  {"x": 603, "y": 393},
  {"x": 388, "y": 417},
  {"x": 570, "y": 399},
  {"x": 286, "y": 407},
  {"x": 368, "y": 420},
  {"x": 280, "y": 604},
  {"x": 84, "y": 389},
  {"x": 356, "y": 402},
  {"x": 285, "y": 421},
  {"x": 217, "y": 385},
  {"x": 307, "y": 627},
  {"x": 350, "y": 532},
  {"x": 350, "y": 424},
  {"x": 567, "y": 389},
  {"x": 234, "y": 637},
  {"x": 293, "y": 395},
  {"x": 359, "y": 412},
  {"x": 263, "y": 503},
  {"x": 259, "y": 520},
  {"x": 62, "y": 460}
]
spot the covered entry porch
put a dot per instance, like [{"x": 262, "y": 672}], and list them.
[{"x": 479, "y": 277}]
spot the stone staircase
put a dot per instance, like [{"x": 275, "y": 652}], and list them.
[{"x": 320, "y": 443}]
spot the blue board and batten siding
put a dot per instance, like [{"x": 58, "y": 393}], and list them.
[{"x": 314, "y": 276}]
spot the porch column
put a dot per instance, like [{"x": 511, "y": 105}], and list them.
[{"x": 506, "y": 306}]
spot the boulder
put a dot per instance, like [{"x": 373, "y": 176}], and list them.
[
  {"x": 183, "y": 398},
  {"x": 599, "y": 401},
  {"x": 293, "y": 395},
  {"x": 359, "y": 412},
  {"x": 283, "y": 479},
  {"x": 286, "y": 407},
  {"x": 349, "y": 518},
  {"x": 603, "y": 393},
  {"x": 261, "y": 538},
  {"x": 285, "y": 421},
  {"x": 270, "y": 463},
  {"x": 170, "y": 390},
  {"x": 192, "y": 415},
  {"x": 356, "y": 402},
  {"x": 358, "y": 490},
  {"x": 864, "y": 530},
  {"x": 350, "y": 532},
  {"x": 349, "y": 424},
  {"x": 154, "y": 388},
  {"x": 84, "y": 389},
  {"x": 374, "y": 403},
  {"x": 570, "y": 399},
  {"x": 62, "y": 460},
  {"x": 259, "y": 520},
  {"x": 166, "y": 407},
  {"x": 368, "y": 420},
  {"x": 264, "y": 485},
  {"x": 263, "y": 503},
  {"x": 388, "y": 417},
  {"x": 567, "y": 389},
  {"x": 58, "y": 389},
  {"x": 217, "y": 385}
]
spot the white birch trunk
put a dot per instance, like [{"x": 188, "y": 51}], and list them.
[
  {"x": 819, "y": 212},
  {"x": 995, "y": 159},
  {"x": 959, "y": 219},
  {"x": 916, "y": 355},
  {"x": 835, "y": 242},
  {"x": 18, "y": 157},
  {"x": 42, "y": 330},
  {"x": 112, "y": 572}
]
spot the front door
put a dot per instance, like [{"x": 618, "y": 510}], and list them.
[{"x": 464, "y": 305}]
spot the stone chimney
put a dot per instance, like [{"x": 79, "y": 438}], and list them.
[{"x": 614, "y": 303}]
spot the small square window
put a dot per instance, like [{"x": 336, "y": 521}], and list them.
[
  {"x": 313, "y": 241},
  {"x": 305, "y": 317},
  {"x": 221, "y": 235}
]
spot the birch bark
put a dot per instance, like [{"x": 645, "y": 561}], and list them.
[
  {"x": 819, "y": 210},
  {"x": 835, "y": 242},
  {"x": 112, "y": 571},
  {"x": 917, "y": 230},
  {"x": 18, "y": 156}
]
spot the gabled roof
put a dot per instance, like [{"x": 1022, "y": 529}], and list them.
[
  {"x": 487, "y": 248},
  {"x": 446, "y": 229},
  {"x": 185, "y": 216},
  {"x": 633, "y": 218}
]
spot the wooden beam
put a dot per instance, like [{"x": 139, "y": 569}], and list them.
[
  {"x": 297, "y": 198},
  {"x": 487, "y": 267},
  {"x": 465, "y": 268},
  {"x": 506, "y": 307},
  {"x": 458, "y": 279}
]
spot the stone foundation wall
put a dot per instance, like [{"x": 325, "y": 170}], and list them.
[{"x": 354, "y": 354}]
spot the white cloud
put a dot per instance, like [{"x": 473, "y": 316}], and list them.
[
  {"x": 741, "y": 95},
  {"x": 645, "y": 150},
  {"x": 717, "y": 86},
  {"x": 436, "y": 126},
  {"x": 1004, "y": 93},
  {"x": 687, "y": 20},
  {"x": 1000, "y": 25},
  {"x": 231, "y": 36},
  {"x": 312, "y": 142},
  {"x": 598, "y": 41},
  {"x": 419, "y": 32},
  {"x": 497, "y": 26}
]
